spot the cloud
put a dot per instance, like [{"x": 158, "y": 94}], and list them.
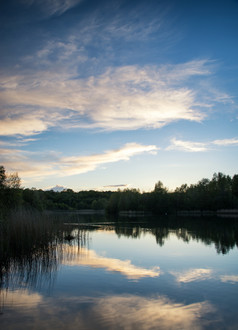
[
  {"x": 123, "y": 98},
  {"x": 196, "y": 274},
  {"x": 191, "y": 146},
  {"x": 226, "y": 142},
  {"x": 187, "y": 146},
  {"x": 32, "y": 164},
  {"x": 24, "y": 124},
  {"x": 82, "y": 164},
  {"x": 116, "y": 186},
  {"x": 53, "y": 7},
  {"x": 92, "y": 259}
]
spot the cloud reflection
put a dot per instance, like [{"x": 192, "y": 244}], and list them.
[
  {"x": 131, "y": 312},
  {"x": 20, "y": 298},
  {"x": 92, "y": 259},
  {"x": 233, "y": 279},
  {"x": 112, "y": 312},
  {"x": 196, "y": 274}
]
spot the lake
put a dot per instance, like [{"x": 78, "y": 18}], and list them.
[{"x": 156, "y": 273}]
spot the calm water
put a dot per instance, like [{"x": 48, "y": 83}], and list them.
[{"x": 168, "y": 274}]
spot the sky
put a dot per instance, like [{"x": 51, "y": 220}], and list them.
[{"x": 118, "y": 94}]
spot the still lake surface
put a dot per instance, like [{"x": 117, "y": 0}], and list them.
[{"x": 179, "y": 273}]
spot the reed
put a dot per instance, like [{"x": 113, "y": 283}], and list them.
[{"x": 29, "y": 244}]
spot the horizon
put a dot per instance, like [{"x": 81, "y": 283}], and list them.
[{"x": 118, "y": 94}]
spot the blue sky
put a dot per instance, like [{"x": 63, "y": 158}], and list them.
[{"x": 108, "y": 94}]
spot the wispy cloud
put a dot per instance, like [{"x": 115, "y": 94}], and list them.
[
  {"x": 226, "y": 142},
  {"x": 25, "y": 124},
  {"x": 191, "y": 146},
  {"x": 32, "y": 164},
  {"x": 124, "y": 98},
  {"x": 82, "y": 164},
  {"x": 53, "y": 7},
  {"x": 187, "y": 146},
  {"x": 116, "y": 186}
]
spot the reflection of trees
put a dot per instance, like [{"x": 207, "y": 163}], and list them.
[
  {"x": 134, "y": 232},
  {"x": 32, "y": 247},
  {"x": 161, "y": 234},
  {"x": 222, "y": 232}
]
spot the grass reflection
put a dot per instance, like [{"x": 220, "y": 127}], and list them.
[{"x": 31, "y": 248}]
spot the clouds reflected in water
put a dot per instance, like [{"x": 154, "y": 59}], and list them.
[
  {"x": 92, "y": 259},
  {"x": 113, "y": 312},
  {"x": 191, "y": 275}
]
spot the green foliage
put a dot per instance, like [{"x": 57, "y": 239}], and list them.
[
  {"x": 234, "y": 185},
  {"x": 221, "y": 192},
  {"x": 2, "y": 177},
  {"x": 10, "y": 192},
  {"x": 13, "y": 181}
]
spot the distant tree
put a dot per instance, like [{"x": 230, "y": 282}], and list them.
[
  {"x": 159, "y": 188},
  {"x": 13, "y": 181},
  {"x": 221, "y": 189},
  {"x": 160, "y": 198},
  {"x": 2, "y": 176},
  {"x": 235, "y": 185}
]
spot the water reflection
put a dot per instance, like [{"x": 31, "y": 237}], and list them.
[
  {"x": 27, "y": 260},
  {"x": 233, "y": 279},
  {"x": 132, "y": 312},
  {"x": 223, "y": 233},
  {"x": 111, "y": 312},
  {"x": 118, "y": 293},
  {"x": 92, "y": 259},
  {"x": 23, "y": 298},
  {"x": 192, "y": 275}
]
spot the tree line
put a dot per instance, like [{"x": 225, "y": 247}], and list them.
[{"x": 221, "y": 192}]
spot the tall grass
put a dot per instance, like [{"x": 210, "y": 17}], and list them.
[
  {"x": 33, "y": 245},
  {"x": 29, "y": 245}
]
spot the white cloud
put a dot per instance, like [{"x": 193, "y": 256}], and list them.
[
  {"x": 187, "y": 146},
  {"x": 191, "y": 146},
  {"x": 226, "y": 142},
  {"x": 30, "y": 164},
  {"x": 24, "y": 124},
  {"x": 82, "y": 164},
  {"x": 125, "y": 98}
]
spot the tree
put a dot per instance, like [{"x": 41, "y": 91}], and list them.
[
  {"x": 159, "y": 188},
  {"x": 2, "y": 177},
  {"x": 13, "y": 181},
  {"x": 235, "y": 185}
]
